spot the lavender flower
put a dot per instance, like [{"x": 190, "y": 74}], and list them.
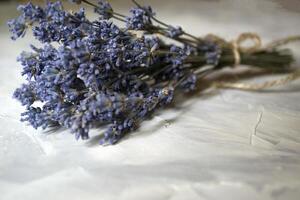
[
  {"x": 174, "y": 32},
  {"x": 212, "y": 53},
  {"x": 98, "y": 73},
  {"x": 25, "y": 94},
  {"x": 140, "y": 19},
  {"x": 104, "y": 9},
  {"x": 91, "y": 73},
  {"x": 31, "y": 13},
  {"x": 189, "y": 83},
  {"x": 36, "y": 117},
  {"x": 17, "y": 27}
]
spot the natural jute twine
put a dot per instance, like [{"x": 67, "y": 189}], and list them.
[{"x": 237, "y": 48}]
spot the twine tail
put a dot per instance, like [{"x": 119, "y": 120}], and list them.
[
  {"x": 282, "y": 42},
  {"x": 254, "y": 87}
]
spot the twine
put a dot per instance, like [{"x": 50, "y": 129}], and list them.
[
  {"x": 237, "y": 48},
  {"x": 246, "y": 86},
  {"x": 282, "y": 42},
  {"x": 236, "y": 45}
]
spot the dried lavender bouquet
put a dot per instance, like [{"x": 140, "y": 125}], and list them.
[{"x": 91, "y": 73}]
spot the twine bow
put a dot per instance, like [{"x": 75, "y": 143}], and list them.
[
  {"x": 237, "y": 48},
  {"x": 236, "y": 45}
]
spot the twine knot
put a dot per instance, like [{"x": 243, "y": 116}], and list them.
[{"x": 237, "y": 44}]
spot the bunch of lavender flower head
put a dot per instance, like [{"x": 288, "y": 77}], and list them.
[{"x": 93, "y": 72}]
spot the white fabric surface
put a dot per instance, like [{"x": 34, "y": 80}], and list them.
[{"x": 223, "y": 144}]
